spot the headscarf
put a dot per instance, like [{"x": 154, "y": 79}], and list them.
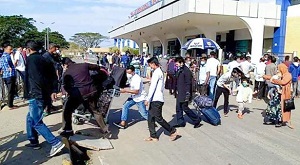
[{"x": 283, "y": 69}]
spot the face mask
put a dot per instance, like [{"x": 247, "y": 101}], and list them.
[
  {"x": 129, "y": 76},
  {"x": 296, "y": 63},
  {"x": 202, "y": 62},
  {"x": 188, "y": 62},
  {"x": 245, "y": 84}
]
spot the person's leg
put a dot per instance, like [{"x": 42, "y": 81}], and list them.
[
  {"x": 127, "y": 105},
  {"x": 240, "y": 111},
  {"x": 261, "y": 87},
  {"x": 256, "y": 84},
  {"x": 10, "y": 91},
  {"x": 70, "y": 105},
  {"x": 179, "y": 114},
  {"x": 217, "y": 96},
  {"x": 142, "y": 109},
  {"x": 157, "y": 106},
  {"x": 36, "y": 114},
  {"x": 151, "y": 122},
  {"x": 294, "y": 89},
  {"x": 212, "y": 83},
  {"x": 193, "y": 116},
  {"x": 226, "y": 100},
  {"x": 91, "y": 105},
  {"x": 32, "y": 134}
]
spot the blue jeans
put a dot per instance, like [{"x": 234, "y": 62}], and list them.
[
  {"x": 35, "y": 124},
  {"x": 144, "y": 72},
  {"x": 138, "y": 72},
  {"x": 212, "y": 84},
  {"x": 128, "y": 104}
]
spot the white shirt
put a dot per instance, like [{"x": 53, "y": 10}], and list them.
[
  {"x": 136, "y": 83},
  {"x": 21, "y": 63},
  {"x": 156, "y": 90},
  {"x": 246, "y": 67},
  {"x": 244, "y": 94},
  {"x": 233, "y": 64},
  {"x": 212, "y": 66},
  {"x": 202, "y": 74},
  {"x": 260, "y": 70},
  {"x": 224, "y": 79}
]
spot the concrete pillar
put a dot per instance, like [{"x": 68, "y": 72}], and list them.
[
  {"x": 150, "y": 48},
  {"x": 182, "y": 41},
  {"x": 164, "y": 45},
  {"x": 256, "y": 28},
  {"x": 141, "y": 48}
]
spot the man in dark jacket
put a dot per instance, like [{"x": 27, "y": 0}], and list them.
[
  {"x": 52, "y": 76},
  {"x": 184, "y": 89},
  {"x": 39, "y": 89},
  {"x": 81, "y": 90},
  {"x": 294, "y": 69}
]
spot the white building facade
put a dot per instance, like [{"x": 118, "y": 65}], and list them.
[{"x": 238, "y": 26}]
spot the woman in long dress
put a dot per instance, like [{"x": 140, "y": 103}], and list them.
[{"x": 285, "y": 83}]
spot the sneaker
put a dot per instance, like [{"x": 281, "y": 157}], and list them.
[
  {"x": 33, "y": 146},
  {"x": 56, "y": 149},
  {"x": 66, "y": 133},
  {"x": 120, "y": 126}
]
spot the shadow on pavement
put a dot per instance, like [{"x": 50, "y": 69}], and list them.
[
  {"x": 12, "y": 153},
  {"x": 115, "y": 117}
]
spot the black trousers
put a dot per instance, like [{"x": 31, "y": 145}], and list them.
[
  {"x": 155, "y": 115},
  {"x": 219, "y": 92},
  {"x": 11, "y": 86},
  {"x": 184, "y": 107},
  {"x": 171, "y": 82},
  {"x": 73, "y": 101},
  {"x": 259, "y": 87}
]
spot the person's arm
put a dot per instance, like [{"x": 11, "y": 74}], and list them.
[
  {"x": 267, "y": 77},
  {"x": 154, "y": 80},
  {"x": 284, "y": 81},
  {"x": 250, "y": 96},
  {"x": 188, "y": 83},
  {"x": 219, "y": 69},
  {"x": 207, "y": 75}
]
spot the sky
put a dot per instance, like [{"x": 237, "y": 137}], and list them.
[{"x": 73, "y": 16}]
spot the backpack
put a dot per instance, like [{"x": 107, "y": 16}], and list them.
[{"x": 202, "y": 102}]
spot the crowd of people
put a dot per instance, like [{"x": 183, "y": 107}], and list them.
[{"x": 45, "y": 72}]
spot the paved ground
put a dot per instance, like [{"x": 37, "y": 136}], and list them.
[{"x": 236, "y": 141}]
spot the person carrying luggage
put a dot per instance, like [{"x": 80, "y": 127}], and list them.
[{"x": 184, "y": 89}]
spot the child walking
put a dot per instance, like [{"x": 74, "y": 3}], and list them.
[{"x": 244, "y": 95}]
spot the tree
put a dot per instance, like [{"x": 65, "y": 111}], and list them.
[
  {"x": 13, "y": 28},
  {"x": 88, "y": 40},
  {"x": 114, "y": 49},
  {"x": 18, "y": 29},
  {"x": 131, "y": 50}
]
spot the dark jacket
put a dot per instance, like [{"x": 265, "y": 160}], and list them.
[
  {"x": 52, "y": 76},
  {"x": 37, "y": 81},
  {"x": 184, "y": 84},
  {"x": 78, "y": 76}
]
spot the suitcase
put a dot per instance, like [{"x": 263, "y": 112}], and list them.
[
  {"x": 202, "y": 102},
  {"x": 212, "y": 115}
]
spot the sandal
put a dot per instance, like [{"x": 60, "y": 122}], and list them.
[
  {"x": 174, "y": 136},
  {"x": 151, "y": 139}
]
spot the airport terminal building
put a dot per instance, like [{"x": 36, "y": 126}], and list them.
[{"x": 238, "y": 26}]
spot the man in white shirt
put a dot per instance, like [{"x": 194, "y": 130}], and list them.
[
  {"x": 19, "y": 63},
  {"x": 138, "y": 97},
  {"x": 259, "y": 84},
  {"x": 247, "y": 66},
  {"x": 203, "y": 76},
  {"x": 214, "y": 68},
  {"x": 156, "y": 99}
]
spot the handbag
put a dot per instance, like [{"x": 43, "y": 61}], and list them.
[{"x": 289, "y": 105}]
